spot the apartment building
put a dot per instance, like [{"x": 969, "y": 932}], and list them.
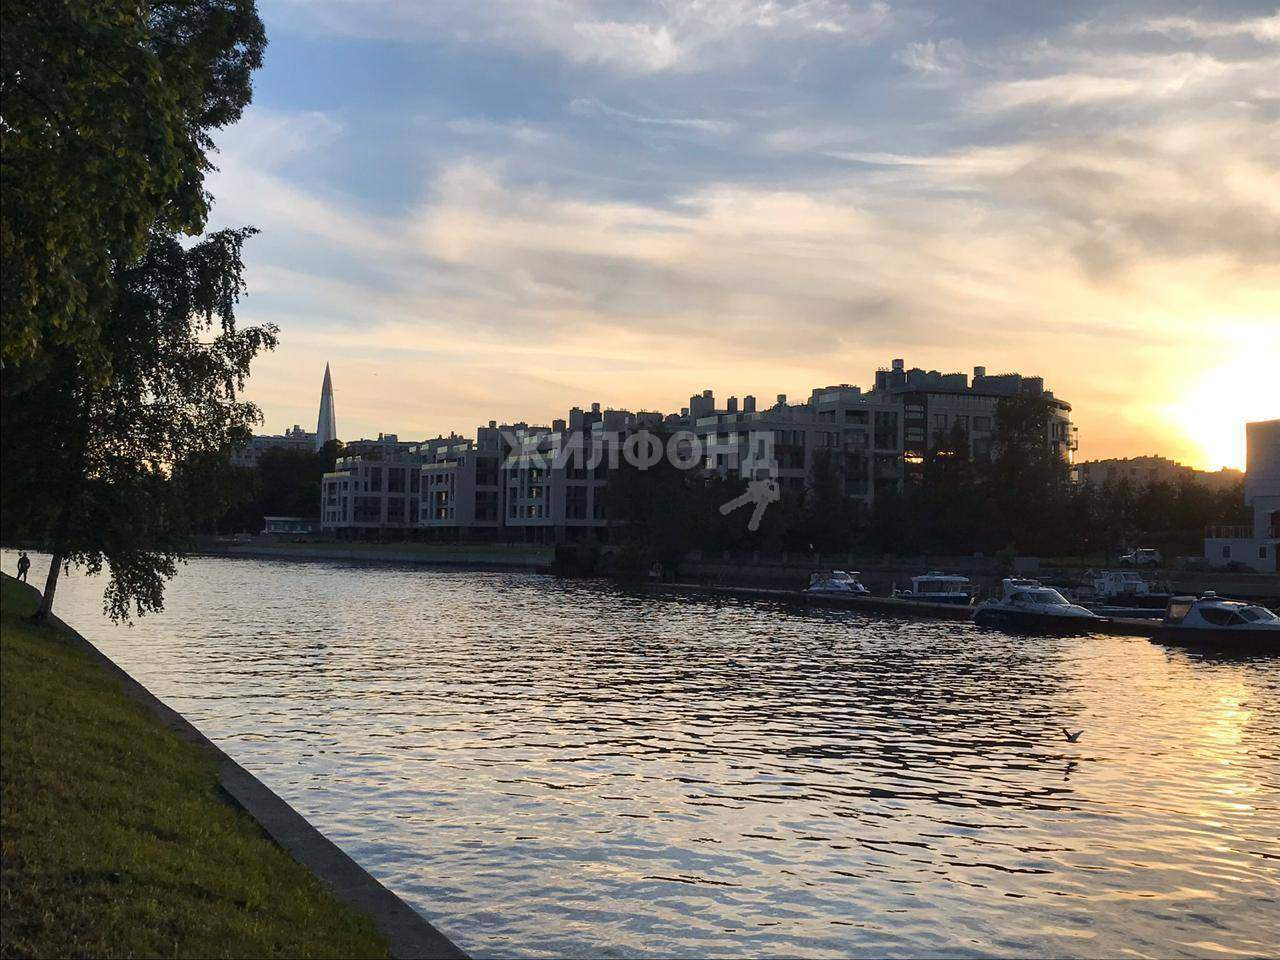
[
  {"x": 555, "y": 480},
  {"x": 935, "y": 404},
  {"x": 377, "y": 486},
  {"x": 295, "y": 439},
  {"x": 839, "y": 427},
  {"x": 548, "y": 483},
  {"x": 461, "y": 487}
]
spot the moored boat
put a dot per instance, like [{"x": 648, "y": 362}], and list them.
[
  {"x": 835, "y": 581},
  {"x": 1122, "y": 589},
  {"x": 1029, "y": 606},
  {"x": 1210, "y": 620},
  {"x": 936, "y": 587}
]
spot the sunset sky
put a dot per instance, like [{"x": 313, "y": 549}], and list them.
[{"x": 491, "y": 210}]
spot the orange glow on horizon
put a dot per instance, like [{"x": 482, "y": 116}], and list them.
[{"x": 1212, "y": 414}]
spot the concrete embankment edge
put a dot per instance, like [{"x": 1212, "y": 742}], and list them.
[
  {"x": 471, "y": 562},
  {"x": 408, "y": 933}
]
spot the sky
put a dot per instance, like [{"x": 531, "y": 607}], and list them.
[{"x": 498, "y": 210}]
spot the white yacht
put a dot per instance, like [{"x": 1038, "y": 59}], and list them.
[
  {"x": 1210, "y": 619},
  {"x": 835, "y": 581},
  {"x": 1122, "y": 588},
  {"x": 1028, "y": 605},
  {"x": 936, "y": 587}
]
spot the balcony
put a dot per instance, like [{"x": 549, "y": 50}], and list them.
[{"x": 1239, "y": 531}]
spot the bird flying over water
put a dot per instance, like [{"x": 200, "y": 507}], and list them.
[{"x": 1071, "y": 737}]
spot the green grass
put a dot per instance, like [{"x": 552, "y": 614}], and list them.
[{"x": 116, "y": 841}]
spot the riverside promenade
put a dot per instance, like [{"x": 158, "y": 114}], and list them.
[{"x": 126, "y": 831}]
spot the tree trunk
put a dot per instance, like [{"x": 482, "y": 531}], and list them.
[{"x": 50, "y": 588}]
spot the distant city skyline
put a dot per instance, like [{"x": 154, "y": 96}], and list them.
[
  {"x": 327, "y": 427},
  {"x": 486, "y": 211}
]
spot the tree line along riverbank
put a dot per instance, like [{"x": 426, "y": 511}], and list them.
[{"x": 117, "y": 840}]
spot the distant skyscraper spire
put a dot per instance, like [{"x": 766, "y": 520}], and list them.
[{"x": 327, "y": 426}]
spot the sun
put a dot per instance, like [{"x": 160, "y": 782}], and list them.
[{"x": 1211, "y": 415}]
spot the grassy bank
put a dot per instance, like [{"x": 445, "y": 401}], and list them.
[{"x": 116, "y": 841}]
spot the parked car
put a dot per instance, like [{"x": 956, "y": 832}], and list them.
[{"x": 1141, "y": 557}]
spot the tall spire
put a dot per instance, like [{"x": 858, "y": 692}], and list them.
[{"x": 327, "y": 426}]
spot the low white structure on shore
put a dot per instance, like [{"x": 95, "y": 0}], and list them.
[{"x": 1254, "y": 546}]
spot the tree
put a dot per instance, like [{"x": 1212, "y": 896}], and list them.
[
  {"x": 951, "y": 505},
  {"x": 108, "y": 472},
  {"x": 108, "y": 108},
  {"x": 284, "y": 483},
  {"x": 657, "y": 507},
  {"x": 828, "y": 516},
  {"x": 1027, "y": 479}
]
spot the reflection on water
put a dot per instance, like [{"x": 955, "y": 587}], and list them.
[{"x": 549, "y": 767}]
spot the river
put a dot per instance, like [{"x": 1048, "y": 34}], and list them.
[{"x": 549, "y": 767}]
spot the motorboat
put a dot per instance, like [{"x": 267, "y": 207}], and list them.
[
  {"x": 1029, "y": 606},
  {"x": 936, "y": 587},
  {"x": 1123, "y": 588},
  {"x": 1216, "y": 621},
  {"x": 835, "y": 581}
]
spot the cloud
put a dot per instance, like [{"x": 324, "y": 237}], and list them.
[
  {"x": 587, "y": 107},
  {"x": 1184, "y": 77},
  {"x": 1091, "y": 203},
  {"x": 640, "y": 37},
  {"x": 1262, "y": 29},
  {"x": 934, "y": 58}
]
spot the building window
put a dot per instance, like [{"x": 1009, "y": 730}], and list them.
[
  {"x": 1262, "y": 552},
  {"x": 1226, "y": 551},
  {"x": 886, "y": 430}
]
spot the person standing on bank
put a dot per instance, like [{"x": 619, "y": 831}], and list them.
[{"x": 24, "y": 564}]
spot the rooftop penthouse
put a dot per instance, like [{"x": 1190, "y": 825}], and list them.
[{"x": 897, "y": 379}]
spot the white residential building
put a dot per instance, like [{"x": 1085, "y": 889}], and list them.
[{"x": 1254, "y": 546}]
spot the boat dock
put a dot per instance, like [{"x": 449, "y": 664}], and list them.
[{"x": 891, "y": 606}]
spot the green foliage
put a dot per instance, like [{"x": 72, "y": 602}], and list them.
[
  {"x": 122, "y": 360},
  {"x": 286, "y": 483},
  {"x": 108, "y": 108},
  {"x": 107, "y": 472},
  {"x": 827, "y": 518},
  {"x": 116, "y": 840}
]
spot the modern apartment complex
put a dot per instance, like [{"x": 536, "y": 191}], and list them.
[
  {"x": 934, "y": 405},
  {"x": 548, "y": 483}
]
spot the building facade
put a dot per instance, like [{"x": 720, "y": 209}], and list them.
[
  {"x": 1255, "y": 546},
  {"x": 519, "y": 482},
  {"x": 936, "y": 406},
  {"x": 294, "y": 439}
]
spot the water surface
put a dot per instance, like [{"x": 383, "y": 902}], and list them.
[{"x": 550, "y": 767}]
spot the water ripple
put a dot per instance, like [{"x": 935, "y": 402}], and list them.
[{"x": 565, "y": 768}]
